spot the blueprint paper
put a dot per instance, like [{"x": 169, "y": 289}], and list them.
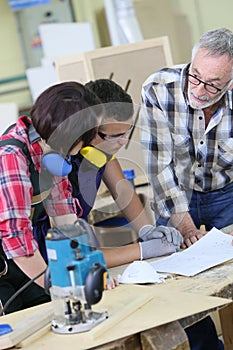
[{"x": 211, "y": 250}]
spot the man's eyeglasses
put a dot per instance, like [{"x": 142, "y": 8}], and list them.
[
  {"x": 115, "y": 137},
  {"x": 209, "y": 87}
]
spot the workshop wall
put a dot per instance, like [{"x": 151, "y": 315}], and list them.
[{"x": 183, "y": 21}]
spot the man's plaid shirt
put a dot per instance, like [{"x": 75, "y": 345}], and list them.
[{"x": 181, "y": 154}]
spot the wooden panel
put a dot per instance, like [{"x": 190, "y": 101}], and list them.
[
  {"x": 74, "y": 69},
  {"x": 170, "y": 336},
  {"x": 226, "y": 318},
  {"x": 131, "y": 342},
  {"x": 131, "y": 62},
  {"x": 122, "y": 304},
  {"x": 134, "y": 62}
]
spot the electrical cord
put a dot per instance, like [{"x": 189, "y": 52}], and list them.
[
  {"x": 9, "y": 301},
  {"x": 3, "y": 266}
]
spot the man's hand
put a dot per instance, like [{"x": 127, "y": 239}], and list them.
[
  {"x": 184, "y": 223},
  {"x": 149, "y": 232},
  {"x": 192, "y": 236}
]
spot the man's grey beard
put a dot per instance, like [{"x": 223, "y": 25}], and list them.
[{"x": 208, "y": 103}]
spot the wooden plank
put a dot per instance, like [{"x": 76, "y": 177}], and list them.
[
  {"x": 130, "y": 308},
  {"x": 170, "y": 336},
  {"x": 27, "y": 327},
  {"x": 162, "y": 309},
  {"x": 120, "y": 62},
  {"x": 131, "y": 342},
  {"x": 226, "y": 318}
]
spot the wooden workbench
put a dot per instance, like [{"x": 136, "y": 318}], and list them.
[
  {"x": 216, "y": 282},
  {"x": 152, "y": 325}
]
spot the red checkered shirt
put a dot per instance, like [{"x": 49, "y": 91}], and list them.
[{"x": 16, "y": 193}]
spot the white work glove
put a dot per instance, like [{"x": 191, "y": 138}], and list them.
[
  {"x": 156, "y": 247},
  {"x": 172, "y": 235}
]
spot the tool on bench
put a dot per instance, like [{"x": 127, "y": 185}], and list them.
[{"x": 78, "y": 276}]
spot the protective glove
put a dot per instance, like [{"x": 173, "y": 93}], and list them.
[
  {"x": 156, "y": 247},
  {"x": 172, "y": 235}
]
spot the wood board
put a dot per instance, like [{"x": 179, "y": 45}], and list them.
[
  {"x": 125, "y": 63},
  {"x": 161, "y": 309}
]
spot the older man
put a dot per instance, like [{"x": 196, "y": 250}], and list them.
[
  {"x": 188, "y": 111},
  {"x": 188, "y": 136}
]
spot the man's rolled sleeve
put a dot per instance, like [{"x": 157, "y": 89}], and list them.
[{"x": 171, "y": 205}]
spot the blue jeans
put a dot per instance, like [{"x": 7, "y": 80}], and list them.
[
  {"x": 203, "y": 336},
  {"x": 212, "y": 209}
]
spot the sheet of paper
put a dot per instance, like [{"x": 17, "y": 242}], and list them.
[{"x": 211, "y": 250}]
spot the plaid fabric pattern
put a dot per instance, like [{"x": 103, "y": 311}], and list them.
[
  {"x": 21, "y": 245},
  {"x": 181, "y": 153},
  {"x": 16, "y": 194}
]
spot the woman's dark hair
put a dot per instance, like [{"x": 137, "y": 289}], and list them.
[{"x": 66, "y": 114}]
